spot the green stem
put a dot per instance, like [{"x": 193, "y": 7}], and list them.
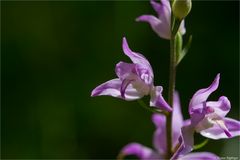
[
  {"x": 198, "y": 146},
  {"x": 171, "y": 88},
  {"x": 153, "y": 110}
]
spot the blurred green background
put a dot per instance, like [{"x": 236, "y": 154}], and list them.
[{"x": 55, "y": 53}]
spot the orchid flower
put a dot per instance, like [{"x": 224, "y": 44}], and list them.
[
  {"x": 159, "y": 139},
  {"x": 208, "y": 118},
  {"x": 161, "y": 24},
  {"x": 134, "y": 81}
]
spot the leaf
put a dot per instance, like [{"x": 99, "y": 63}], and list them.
[
  {"x": 178, "y": 45},
  {"x": 185, "y": 50}
]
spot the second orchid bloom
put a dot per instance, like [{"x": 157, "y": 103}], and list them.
[
  {"x": 208, "y": 119},
  {"x": 159, "y": 141}
]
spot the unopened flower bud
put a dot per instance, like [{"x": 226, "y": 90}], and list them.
[{"x": 181, "y": 8}]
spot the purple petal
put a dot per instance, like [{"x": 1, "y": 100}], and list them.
[
  {"x": 156, "y": 6},
  {"x": 140, "y": 78},
  {"x": 187, "y": 122},
  {"x": 200, "y": 156},
  {"x": 187, "y": 135},
  {"x": 138, "y": 150},
  {"x": 186, "y": 142},
  {"x": 201, "y": 95},
  {"x": 177, "y": 119},
  {"x": 158, "y": 120},
  {"x": 162, "y": 29},
  {"x": 220, "y": 107},
  {"x": 197, "y": 117},
  {"x": 144, "y": 74},
  {"x": 217, "y": 132},
  {"x": 124, "y": 70},
  {"x": 164, "y": 13},
  {"x": 113, "y": 87},
  {"x": 125, "y": 84},
  {"x": 136, "y": 58},
  {"x": 158, "y": 101},
  {"x": 159, "y": 137},
  {"x": 109, "y": 88},
  {"x": 166, "y": 4},
  {"x": 132, "y": 93}
]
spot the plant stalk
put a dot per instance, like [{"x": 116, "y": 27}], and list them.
[{"x": 171, "y": 89}]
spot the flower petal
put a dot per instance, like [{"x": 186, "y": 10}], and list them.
[
  {"x": 113, "y": 87},
  {"x": 124, "y": 70},
  {"x": 220, "y": 107},
  {"x": 109, "y": 88},
  {"x": 138, "y": 150},
  {"x": 162, "y": 29},
  {"x": 201, "y": 95},
  {"x": 144, "y": 74},
  {"x": 159, "y": 137},
  {"x": 198, "y": 115},
  {"x": 158, "y": 119},
  {"x": 200, "y": 156},
  {"x": 177, "y": 119},
  {"x": 187, "y": 135},
  {"x": 186, "y": 141},
  {"x": 157, "y": 99},
  {"x": 134, "y": 74},
  {"x": 164, "y": 12},
  {"x": 132, "y": 93},
  {"x": 217, "y": 132},
  {"x": 125, "y": 84},
  {"x": 136, "y": 58},
  {"x": 156, "y": 6}
]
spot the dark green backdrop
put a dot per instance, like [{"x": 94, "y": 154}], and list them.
[{"x": 55, "y": 53}]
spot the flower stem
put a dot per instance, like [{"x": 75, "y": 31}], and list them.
[
  {"x": 198, "y": 146},
  {"x": 153, "y": 110},
  {"x": 171, "y": 88}
]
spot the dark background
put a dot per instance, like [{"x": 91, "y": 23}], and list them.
[{"x": 55, "y": 53}]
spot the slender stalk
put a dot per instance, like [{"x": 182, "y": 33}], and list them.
[
  {"x": 153, "y": 110},
  {"x": 171, "y": 88},
  {"x": 198, "y": 146}
]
